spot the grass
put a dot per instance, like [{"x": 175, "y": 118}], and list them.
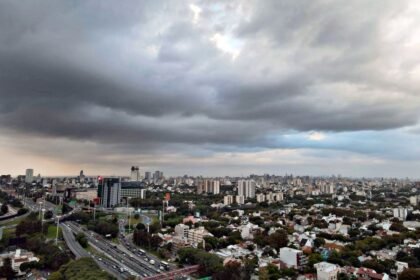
[
  {"x": 52, "y": 231},
  {"x": 11, "y": 222}
]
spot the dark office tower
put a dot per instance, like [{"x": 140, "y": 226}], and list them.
[{"x": 109, "y": 191}]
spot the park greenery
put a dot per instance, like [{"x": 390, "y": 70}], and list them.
[{"x": 84, "y": 268}]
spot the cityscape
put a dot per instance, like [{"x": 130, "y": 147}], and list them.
[
  {"x": 209, "y": 140},
  {"x": 148, "y": 226}
]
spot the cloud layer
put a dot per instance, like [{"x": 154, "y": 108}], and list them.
[{"x": 147, "y": 80}]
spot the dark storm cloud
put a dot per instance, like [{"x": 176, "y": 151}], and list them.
[{"x": 144, "y": 72}]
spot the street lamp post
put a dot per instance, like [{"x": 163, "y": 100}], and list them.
[
  {"x": 56, "y": 235},
  {"x": 40, "y": 209},
  {"x": 42, "y": 220},
  {"x": 128, "y": 214}
]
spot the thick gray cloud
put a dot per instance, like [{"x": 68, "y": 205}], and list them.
[{"x": 142, "y": 75}]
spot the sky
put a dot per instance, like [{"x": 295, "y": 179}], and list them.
[{"x": 210, "y": 88}]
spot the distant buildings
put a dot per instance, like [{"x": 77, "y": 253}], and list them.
[
  {"x": 327, "y": 189},
  {"x": 29, "y": 176},
  {"x": 270, "y": 197},
  {"x": 208, "y": 186},
  {"x": 414, "y": 200},
  {"x": 400, "y": 213},
  {"x": 158, "y": 175},
  {"x": 228, "y": 199},
  {"x": 246, "y": 188},
  {"x": 135, "y": 174},
  {"x": 240, "y": 199}
]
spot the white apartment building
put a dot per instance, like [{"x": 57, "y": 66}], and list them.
[
  {"x": 260, "y": 197},
  {"x": 228, "y": 199},
  {"x": 292, "y": 258},
  {"x": 246, "y": 188},
  {"x": 274, "y": 197},
  {"x": 196, "y": 235},
  {"x": 240, "y": 199},
  {"x": 327, "y": 189},
  {"x": 29, "y": 176},
  {"x": 400, "y": 213},
  {"x": 326, "y": 271},
  {"x": 181, "y": 230}
]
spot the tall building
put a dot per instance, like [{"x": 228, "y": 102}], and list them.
[
  {"x": 109, "y": 191},
  {"x": 400, "y": 213},
  {"x": 327, "y": 189},
  {"x": 157, "y": 175},
  {"x": 181, "y": 230},
  {"x": 29, "y": 176},
  {"x": 135, "y": 174},
  {"x": 148, "y": 175},
  {"x": 228, "y": 199},
  {"x": 240, "y": 199},
  {"x": 208, "y": 186},
  {"x": 246, "y": 188}
]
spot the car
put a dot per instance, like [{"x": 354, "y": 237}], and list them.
[{"x": 152, "y": 261}]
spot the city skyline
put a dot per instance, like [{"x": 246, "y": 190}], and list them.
[{"x": 210, "y": 87}]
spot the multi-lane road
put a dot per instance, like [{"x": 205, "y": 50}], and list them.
[
  {"x": 134, "y": 261},
  {"x": 106, "y": 264}
]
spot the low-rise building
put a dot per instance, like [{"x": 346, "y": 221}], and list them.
[{"x": 326, "y": 271}]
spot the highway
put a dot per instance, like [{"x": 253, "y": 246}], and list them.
[
  {"x": 112, "y": 267},
  {"x": 134, "y": 263}
]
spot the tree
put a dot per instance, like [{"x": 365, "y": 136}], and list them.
[
  {"x": 278, "y": 239},
  {"x": 26, "y": 266},
  {"x": 4, "y": 209},
  {"x": 81, "y": 238},
  {"x": 373, "y": 264},
  {"x": 319, "y": 241},
  {"x": 84, "y": 268},
  {"x": 48, "y": 215},
  {"x": 410, "y": 274},
  {"x": 270, "y": 272},
  {"x": 6, "y": 270}
]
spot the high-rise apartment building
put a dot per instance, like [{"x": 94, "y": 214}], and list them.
[
  {"x": 135, "y": 174},
  {"x": 246, "y": 188},
  {"x": 228, "y": 199},
  {"x": 29, "y": 176}
]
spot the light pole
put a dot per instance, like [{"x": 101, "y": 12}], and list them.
[
  {"x": 128, "y": 215},
  {"x": 56, "y": 235},
  {"x": 42, "y": 221},
  {"x": 40, "y": 209},
  {"x": 94, "y": 212}
]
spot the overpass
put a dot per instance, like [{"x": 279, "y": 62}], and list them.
[{"x": 174, "y": 273}]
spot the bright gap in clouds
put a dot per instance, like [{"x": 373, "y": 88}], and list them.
[
  {"x": 316, "y": 136},
  {"x": 196, "y": 12},
  {"x": 226, "y": 44}
]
